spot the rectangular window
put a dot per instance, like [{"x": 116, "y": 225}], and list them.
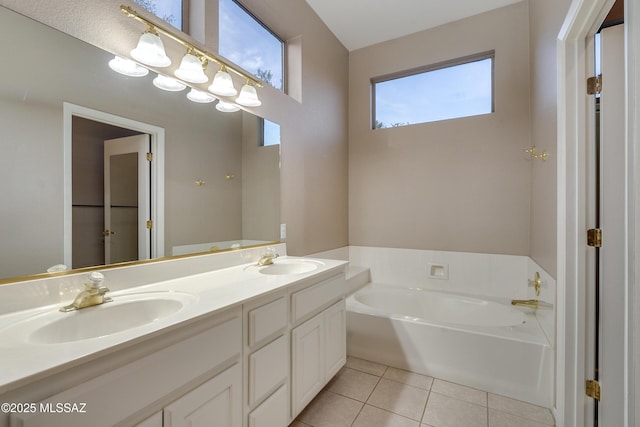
[
  {"x": 268, "y": 133},
  {"x": 171, "y": 11},
  {"x": 450, "y": 90},
  {"x": 248, "y": 43}
]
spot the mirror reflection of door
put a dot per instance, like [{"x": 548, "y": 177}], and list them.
[
  {"x": 126, "y": 199},
  {"x": 87, "y": 181}
]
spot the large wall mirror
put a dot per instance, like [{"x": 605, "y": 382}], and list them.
[{"x": 220, "y": 187}]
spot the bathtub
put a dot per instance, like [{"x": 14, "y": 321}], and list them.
[{"x": 480, "y": 342}]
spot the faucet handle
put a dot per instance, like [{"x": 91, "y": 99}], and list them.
[
  {"x": 95, "y": 280},
  {"x": 536, "y": 283}
]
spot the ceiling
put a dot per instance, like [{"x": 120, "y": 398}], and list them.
[{"x": 361, "y": 23}]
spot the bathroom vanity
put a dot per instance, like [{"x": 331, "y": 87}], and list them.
[{"x": 241, "y": 345}]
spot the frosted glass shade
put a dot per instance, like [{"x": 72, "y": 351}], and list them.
[
  {"x": 127, "y": 67},
  {"x": 196, "y": 95},
  {"x": 248, "y": 97},
  {"x": 150, "y": 51},
  {"x": 191, "y": 70},
  {"x": 168, "y": 83},
  {"x": 223, "y": 84},
  {"x": 226, "y": 107}
]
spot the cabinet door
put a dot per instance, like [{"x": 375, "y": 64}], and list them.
[
  {"x": 153, "y": 421},
  {"x": 217, "y": 402},
  {"x": 307, "y": 362},
  {"x": 335, "y": 333}
]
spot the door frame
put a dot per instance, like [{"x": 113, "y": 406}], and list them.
[
  {"x": 582, "y": 19},
  {"x": 157, "y": 172}
]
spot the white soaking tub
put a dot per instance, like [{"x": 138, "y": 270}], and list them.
[{"x": 479, "y": 342}]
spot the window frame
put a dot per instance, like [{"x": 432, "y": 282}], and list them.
[
  {"x": 490, "y": 54},
  {"x": 283, "y": 45}
]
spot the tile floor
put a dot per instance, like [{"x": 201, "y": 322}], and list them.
[{"x": 367, "y": 394}]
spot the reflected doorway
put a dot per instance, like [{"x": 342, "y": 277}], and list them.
[
  {"x": 97, "y": 219},
  {"x": 91, "y": 198}
]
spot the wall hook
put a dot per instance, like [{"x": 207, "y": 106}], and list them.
[
  {"x": 230, "y": 176},
  {"x": 534, "y": 153},
  {"x": 200, "y": 183}
]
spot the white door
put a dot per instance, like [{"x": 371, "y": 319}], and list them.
[
  {"x": 127, "y": 199},
  {"x": 612, "y": 222}
]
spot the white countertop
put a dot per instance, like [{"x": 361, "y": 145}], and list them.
[{"x": 23, "y": 361}]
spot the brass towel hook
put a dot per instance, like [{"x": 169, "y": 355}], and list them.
[{"x": 534, "y": 153}]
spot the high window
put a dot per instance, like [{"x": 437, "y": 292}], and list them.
[
  {"x": 248, "y": 43},
  {"x": 455, "y": 89},
  {"x": 171, "y": 11}
]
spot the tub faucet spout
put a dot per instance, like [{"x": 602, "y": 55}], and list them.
[{"x": 531, "y": 303}]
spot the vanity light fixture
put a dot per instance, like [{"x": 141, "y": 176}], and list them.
[
  {"x": 223, "y": 84},
  {"x": 226, "y": 107},
  {"x": 168, "y": 83},
  {"x": 199, "y": 96},
  {"x": 150, "y": 51},
  {"x": 127, "y": 67},
  {"x": 248, "y": 96},
  {"x": 192, "y": 68}
]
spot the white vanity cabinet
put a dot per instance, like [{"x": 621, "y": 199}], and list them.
[
  {"x": 196, "y": 372},
  {"x": 256, "y": 362},
  {"x": 318, "y": 345}
]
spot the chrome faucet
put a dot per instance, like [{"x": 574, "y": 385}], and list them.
[
  {"x": 93, "y": 294},
  {"x": 268, "y": 257},
  {"x": 531, "y": 303}
]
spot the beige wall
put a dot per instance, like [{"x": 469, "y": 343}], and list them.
[
  {"x": 545, "y": 20},
  {"x": 458, "y": 185},
  {"x": 314, "y": 131},
  {"x": 260, "y": 185}
]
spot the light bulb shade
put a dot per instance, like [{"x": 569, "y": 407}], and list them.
[
  {"x": 223, "y": 84},
  {"x": 150, "y": 51},
  {"x": 127, "y": 67},
  {"x": 248, "y": 97},
  {"x": 168, "y": 83},
  {"x": 191, "y": 70},
  {"x": 196, "y": 95},
  {"x": 226, "y": 107}
]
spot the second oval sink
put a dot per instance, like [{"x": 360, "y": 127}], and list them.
[
  {"x": 124, "y": 313},
  {"x": 290, "y": 267}
]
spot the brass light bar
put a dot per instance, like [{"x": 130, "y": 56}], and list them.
[{"x": 203, "y": 53}]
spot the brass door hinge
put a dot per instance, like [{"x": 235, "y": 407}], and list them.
[
  {"x": 149, "y": 224},
  {"x": 593, "y": 389},
  {"x": 594, "y": 237},
  {"x": 594, "y": 85},
  {"x": 149, "y": 156}
]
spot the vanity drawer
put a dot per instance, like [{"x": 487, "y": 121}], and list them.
[
  {"x": 267, "y": 369},
  {"x": 267, "y": 320},
  {"x": 273, "y": 411},
  {"x": 310, "y": 300}
]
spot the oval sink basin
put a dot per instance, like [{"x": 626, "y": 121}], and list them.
[
  {"x": 280, "y": 267},
  {"x": 125, "y": 312}
]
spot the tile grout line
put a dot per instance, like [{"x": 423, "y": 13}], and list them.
[{"x": 369, "y": 395}]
